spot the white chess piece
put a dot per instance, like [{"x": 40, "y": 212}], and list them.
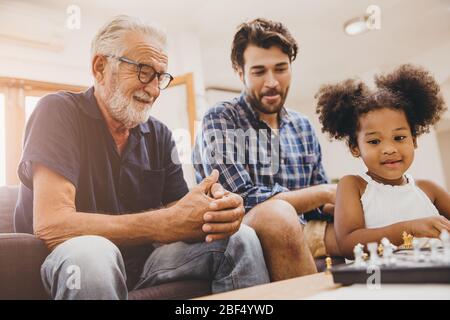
[
  {"x": 434, "y": 243},
  {"x": 445, "y": 238},
  {"x": 416, "y": 246},
  {"x": 388, "y": 249},
  {"x": 358, "y": 253},
  {"x": 373, "y": 251}
]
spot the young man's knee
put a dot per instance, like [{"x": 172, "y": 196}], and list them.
[{"x": 274, "y": 217}]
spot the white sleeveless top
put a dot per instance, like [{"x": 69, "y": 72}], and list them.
[{"x": 385, "y": 204}]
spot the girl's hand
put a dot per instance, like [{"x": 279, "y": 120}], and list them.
[{"x": 430, "y": 227}]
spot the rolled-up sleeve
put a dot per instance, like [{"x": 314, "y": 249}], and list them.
[
  {"x": 51, "y": 139},
  {"x": 212, "y": 151},
  {"x": 318, "y": 174}
]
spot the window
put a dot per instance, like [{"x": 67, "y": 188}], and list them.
[
  {"x": 17, "y": 101},
  {"x": 19, "y": 97},
  {"x": 30, "y": 104},
  {"x": 2, "y": 141}
]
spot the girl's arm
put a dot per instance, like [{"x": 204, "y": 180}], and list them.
[
  {"x": 349, "y": 221},
  {"x": 438, "y": 195}
]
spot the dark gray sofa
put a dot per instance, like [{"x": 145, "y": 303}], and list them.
[{"x": 21, "y": 256}]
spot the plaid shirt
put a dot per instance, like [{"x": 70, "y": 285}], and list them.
[{"x": 297, "y": 159}]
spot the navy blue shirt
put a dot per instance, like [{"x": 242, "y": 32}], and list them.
[{"x": 68, "y": 134}]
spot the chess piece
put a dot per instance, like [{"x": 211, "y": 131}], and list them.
[
  {"x": 328, "y": 263},
  {"x": 374, "y": 259},
  {"x": 445, "y": 238},
  {"x": 434, "y": 243},
  {"x": 380, "y": 250},
  {"x": 407, "y": 240},
  {"x": 388, "y": 249},
  {"x": 358, "y": 253},
  {"x": 417, "y": 254}
]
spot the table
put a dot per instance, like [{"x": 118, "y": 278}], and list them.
[
  {"x": 320, "y": 286},
  {"x": 296, "y": 288}
]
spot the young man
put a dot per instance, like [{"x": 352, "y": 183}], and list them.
[{"x": 278, "y": 170}]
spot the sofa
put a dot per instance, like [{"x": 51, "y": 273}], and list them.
[{"x": 21, "y": 256}]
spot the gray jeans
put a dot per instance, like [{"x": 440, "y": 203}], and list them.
[{"x": 92, "y": 267}]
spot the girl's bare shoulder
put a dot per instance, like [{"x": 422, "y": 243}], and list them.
[{"x": 353, "y": 181}]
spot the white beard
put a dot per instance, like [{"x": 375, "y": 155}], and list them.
[{"x": 126, "y": 110}]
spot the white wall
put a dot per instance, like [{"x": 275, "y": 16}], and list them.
[
  {"x": 338, "y": 161},
  {"x": 2, "y": 142},
  {"x": 70, "y": 64},
  {"x": 69, "y": 61},
  {"x": 444, "y": 144}
]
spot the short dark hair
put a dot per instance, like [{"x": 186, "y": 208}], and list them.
[
  {"x": 409, "y": 88},
  {"x": 263, "y": 33}
]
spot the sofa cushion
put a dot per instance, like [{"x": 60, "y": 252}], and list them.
[
  {"x": 178, "y": 290},
  {"x": 21, "y": 257},
  {"x": 8, "y": 198}
]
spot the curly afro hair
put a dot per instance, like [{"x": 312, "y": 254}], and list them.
[{"x": 409, "y": 88}]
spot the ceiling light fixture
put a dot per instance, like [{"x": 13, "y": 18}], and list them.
[{"x": 356, "y": 26}]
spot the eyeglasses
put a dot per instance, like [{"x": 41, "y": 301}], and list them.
[{"x": 147, "y": 73}]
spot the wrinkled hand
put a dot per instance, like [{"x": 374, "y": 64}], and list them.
[
  {"x": 217, "y": 191},
  {"x": 430, "y": 227},
  {"x": 208, "y": 212},
  {"x": 187, "y": 219},
  {"x": 225, "y": 218}
]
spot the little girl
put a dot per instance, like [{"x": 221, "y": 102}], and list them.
[{"x": 381, "y": 127}]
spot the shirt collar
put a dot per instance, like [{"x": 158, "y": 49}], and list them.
[
  {"x": 284, "y": 116},
  {"x": 92, "y": 109}
]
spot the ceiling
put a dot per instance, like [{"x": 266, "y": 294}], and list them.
[{"x": 411, "y": 31}]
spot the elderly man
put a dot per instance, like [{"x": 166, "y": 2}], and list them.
[
  {"x": 278, "y": 170},
  {"x": 100, "y": 187}
]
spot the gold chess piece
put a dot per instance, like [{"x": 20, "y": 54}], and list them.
[
  {"x": 328, "y": 263},
  {"x": 407, "y": 240},
  {"x": 380, "y": 250}
]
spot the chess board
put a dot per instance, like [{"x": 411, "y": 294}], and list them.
[{"x": 405, "y": 266}]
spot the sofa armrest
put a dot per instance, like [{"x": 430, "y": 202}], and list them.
[{"x": 21, "y": 257}]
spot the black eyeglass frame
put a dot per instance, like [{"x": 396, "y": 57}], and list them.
[{"x": 139, "y": 68}]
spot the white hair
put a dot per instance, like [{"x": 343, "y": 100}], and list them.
[{"x": 109, "y": 39}]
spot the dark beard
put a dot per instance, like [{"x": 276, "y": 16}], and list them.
[{"x": 255, "y": 103}]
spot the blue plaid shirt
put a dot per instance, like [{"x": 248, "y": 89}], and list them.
[{"x": 296, "y": 158}]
